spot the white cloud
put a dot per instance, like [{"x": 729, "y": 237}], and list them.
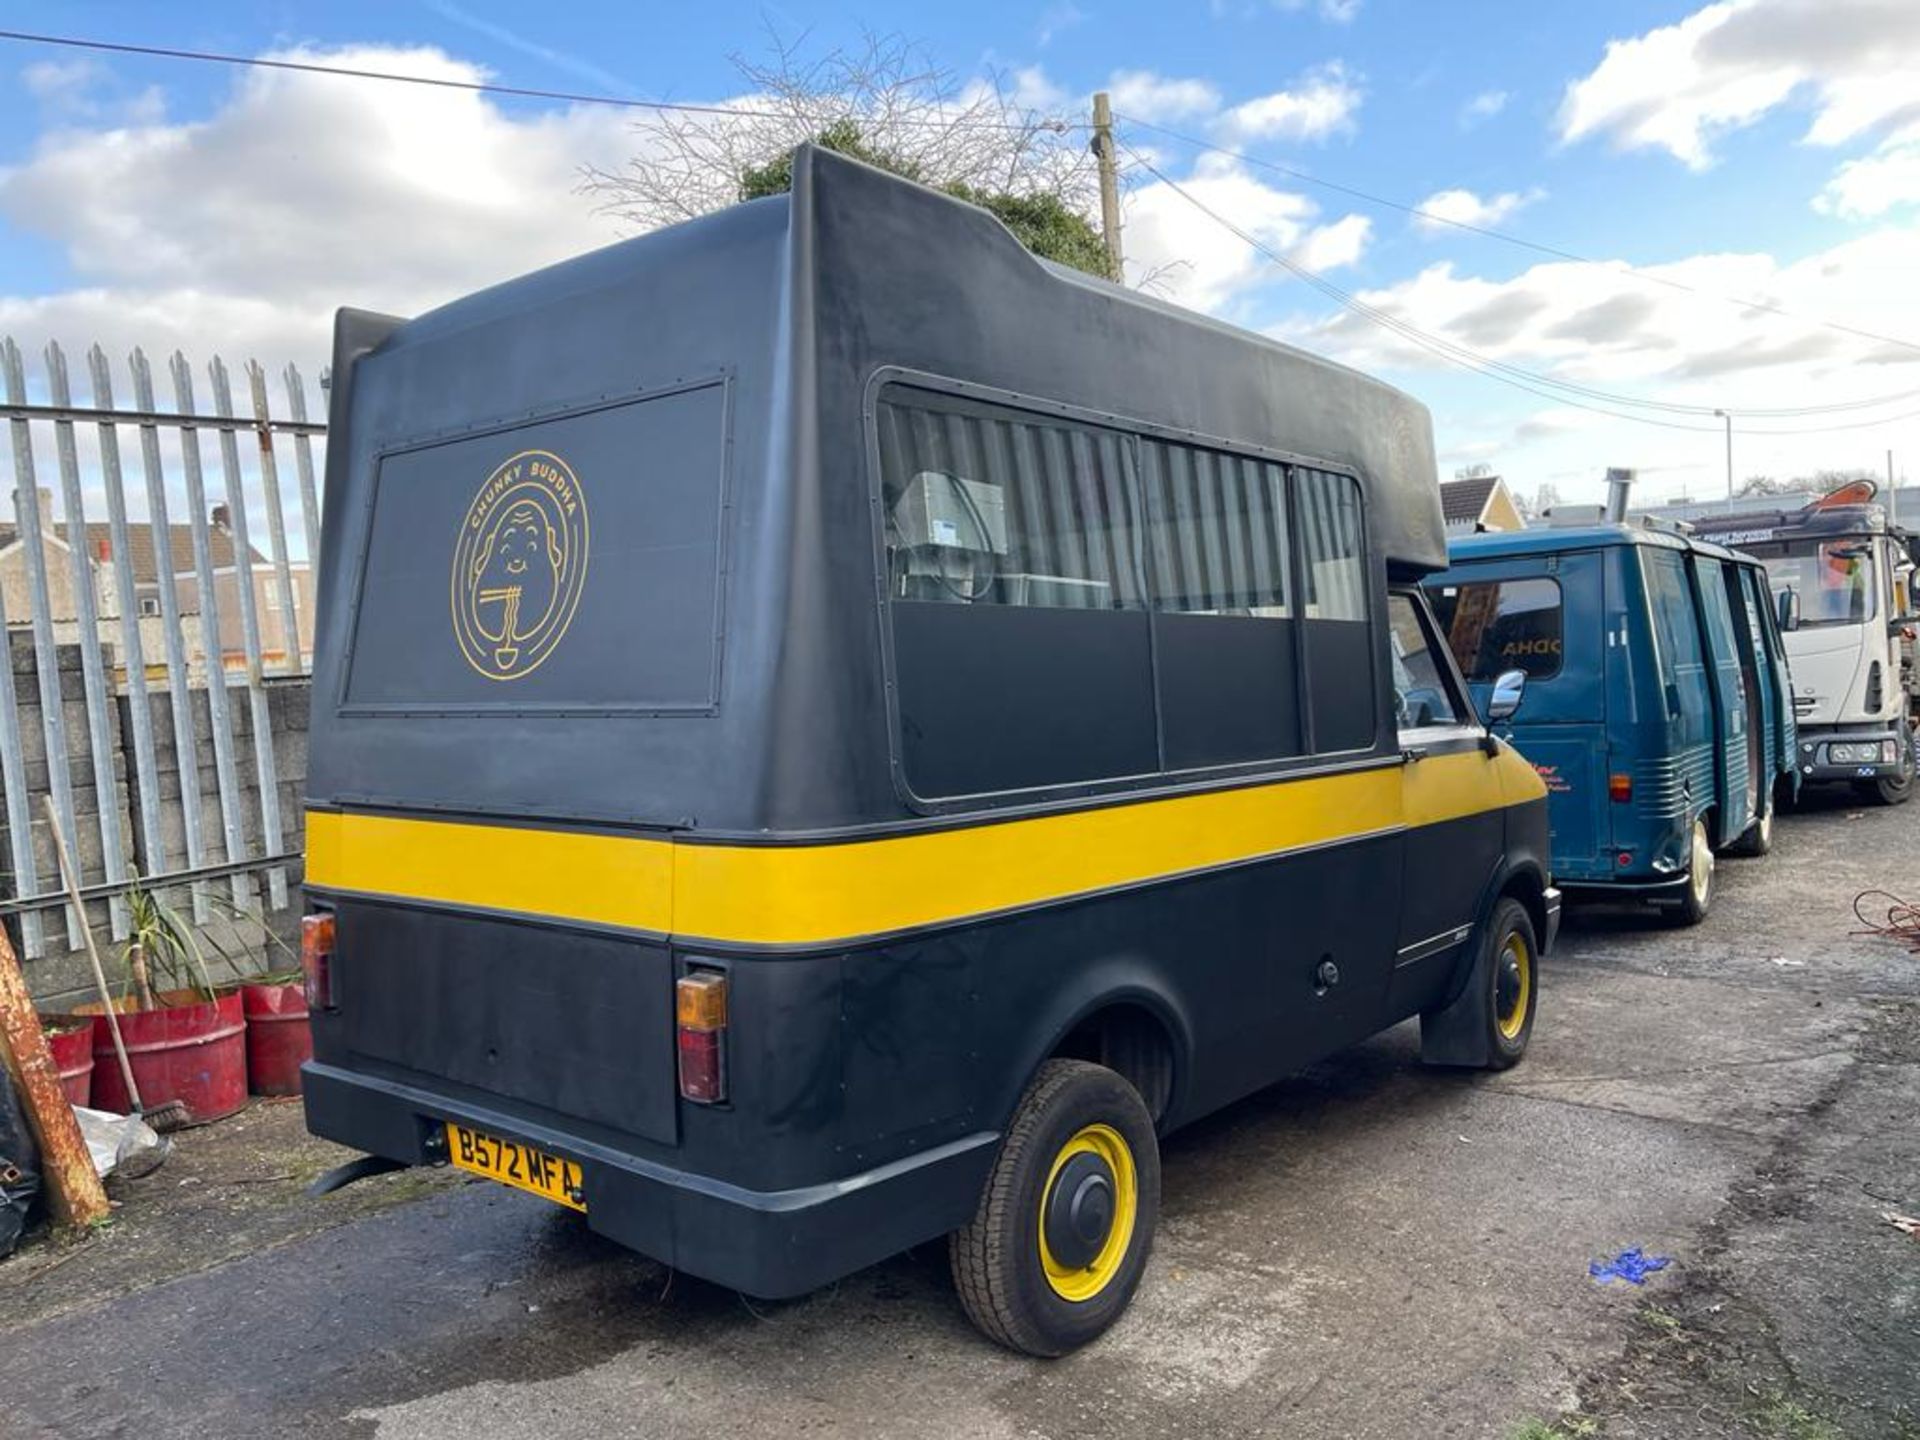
[
  {"x": 301, "y": 193},
  {"x": 1334, "y": 12},
  {"x": 1484, "y": 106},
  {"x": 1201, "y": 263},
  {"x": 1331, "y": 247},
  {"x": 1322, "y": 103},
  {"x": 1063, "y": 15},
  {"x": 1865, "y": 188},
  {"x": 1148, "y": 96},
  {"x": 1464, "y": 207},
  {"x": 1600, "y": 327},
  {"x": 1680, "y": 87}
]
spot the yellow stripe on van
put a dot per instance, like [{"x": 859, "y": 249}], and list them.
[
  {"x": 819, "y": 894},
  {"x": 600, "y": 879}
]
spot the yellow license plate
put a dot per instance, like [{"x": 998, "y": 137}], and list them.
[{"x": 520, "y": 1166}]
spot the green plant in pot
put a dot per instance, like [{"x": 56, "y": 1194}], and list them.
[{"x": 183, "y": 1036}]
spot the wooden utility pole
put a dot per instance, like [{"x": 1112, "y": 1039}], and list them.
[
  {"x": 1109, "y": 184},
  {"x": 73, "y": 1186}
]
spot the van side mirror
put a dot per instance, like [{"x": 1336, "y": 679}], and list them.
[
  {"x": 1508, "y": 687},
  {"x": 1787, "y": 609}
]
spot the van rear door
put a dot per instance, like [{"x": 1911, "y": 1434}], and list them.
[
  {"x": 1734, "y": 775},
  {"x": 1543, "y": 615}
]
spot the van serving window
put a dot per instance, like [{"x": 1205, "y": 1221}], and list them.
[
  {"x": 1218, "y": 566},
  {"x": 1020, "y": 629},
  {"x": 1498, "y": 625}
]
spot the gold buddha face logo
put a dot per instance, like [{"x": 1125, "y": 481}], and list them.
[{"x": 519, "y": 564}]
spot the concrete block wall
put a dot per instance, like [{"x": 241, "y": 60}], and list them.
[{"x": 233, "y": 923}]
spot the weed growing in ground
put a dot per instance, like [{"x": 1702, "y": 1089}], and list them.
[
  {"x": 1786, "y": 1419},
  {"x": 1570, "y": 1427},
  {"x": 1663, "y": 1321}
]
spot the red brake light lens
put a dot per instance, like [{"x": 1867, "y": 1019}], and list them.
[
  {"x": 700, "y": 1008},
  {"x": 1620, "y": 789},
  {"x": 316, "y": 959}
]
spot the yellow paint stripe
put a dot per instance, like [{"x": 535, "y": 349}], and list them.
[
  {"x": 805, "y": 894},
  {"x": 601, "y": 879}
]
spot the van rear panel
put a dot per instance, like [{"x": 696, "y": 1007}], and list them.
[{"x": 573, "y": 1023}]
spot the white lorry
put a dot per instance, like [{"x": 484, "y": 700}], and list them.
[{"x": 1842, "y": 578}]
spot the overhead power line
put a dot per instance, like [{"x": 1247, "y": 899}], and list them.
[
  {"x": 481, "y": 87},
  {"x": 1545, "y": 386},
  {"x": 1506, "y": 238}
]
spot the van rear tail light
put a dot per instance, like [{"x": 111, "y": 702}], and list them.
[
  {"x": 1620, "y": 789},
  {"x": 700, "y": 1008},
  {"x": 316, "y": 959}
]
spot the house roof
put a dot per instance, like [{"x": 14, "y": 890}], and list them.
[
  {"x": 1462, "y": 501},
  {"x": 141, "y": 550}
]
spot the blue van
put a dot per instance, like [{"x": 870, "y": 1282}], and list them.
[{"x": 1643, "y": 675}]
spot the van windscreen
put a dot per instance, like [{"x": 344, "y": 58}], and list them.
[
  {"x": 1833, "y": 578},
  {"x": 1498, "y": 625}
]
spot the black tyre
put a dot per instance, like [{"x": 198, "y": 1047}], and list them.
[
  {"x": 1066, "y": 1222},
  {"x": 1696, "y": 899},
  {"x": 1510, "y": 990},
  {"x": 1759, "y": 837}
]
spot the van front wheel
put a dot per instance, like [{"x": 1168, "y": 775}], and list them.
[{"x": 1060, "y": 1239}]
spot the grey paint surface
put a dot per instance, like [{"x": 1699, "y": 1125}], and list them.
[{"x": 1369, "y": 1249}]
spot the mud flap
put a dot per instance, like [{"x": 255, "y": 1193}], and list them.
[{"x": 1457, "y": 1032}]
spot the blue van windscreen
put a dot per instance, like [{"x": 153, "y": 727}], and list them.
[{"x": 571, "y": 563}]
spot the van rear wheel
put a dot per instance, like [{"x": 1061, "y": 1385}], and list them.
[
  {"x": 1061, "y": 1237},
  {"x": 1696, "y": 898},
  {"x": 1759, "y": 837}
]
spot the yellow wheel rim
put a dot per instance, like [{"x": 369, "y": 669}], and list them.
[
  {"x": 1513, "y": 988},
  {"x": 1106, "y": 1144}
]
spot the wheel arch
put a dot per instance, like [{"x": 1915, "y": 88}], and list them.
[{"x": 1123, "y": 1016}]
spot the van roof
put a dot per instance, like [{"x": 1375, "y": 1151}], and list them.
[{"x": 1503, "y": 544}]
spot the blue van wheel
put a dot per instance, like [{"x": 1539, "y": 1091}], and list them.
[
  {"x": 1696, "y": 897},
  {"x": 1759, "y": 837}
]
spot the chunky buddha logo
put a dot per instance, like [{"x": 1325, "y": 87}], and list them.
[{"x": 519, "y": 564}]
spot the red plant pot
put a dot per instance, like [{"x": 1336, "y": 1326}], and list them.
[
  {"x": 195, "y": 1053},
  {"x": 278, "y": 1039},
  {"x": 72, "y": 1047}
]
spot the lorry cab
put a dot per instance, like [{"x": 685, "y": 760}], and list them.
[
  {"x": 1656, "y": 704},
  {"x": 1841, "y": 580},
  {"x": 832, "y": 733}
]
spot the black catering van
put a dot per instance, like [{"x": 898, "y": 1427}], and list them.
[{"x": 830, "y": 733}]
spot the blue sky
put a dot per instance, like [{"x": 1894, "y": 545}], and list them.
[{"x": 1753, "y": 147}]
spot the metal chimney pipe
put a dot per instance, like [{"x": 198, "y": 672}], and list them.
[{"x": 1619, "y": 483}]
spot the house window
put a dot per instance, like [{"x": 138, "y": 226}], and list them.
[{"x": 149, "y": 605}]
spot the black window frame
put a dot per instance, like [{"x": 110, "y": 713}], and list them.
[{"x": 1383, "y": 749}]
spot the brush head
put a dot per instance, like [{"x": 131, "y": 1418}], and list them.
[{"x": 173, "y": 1115}]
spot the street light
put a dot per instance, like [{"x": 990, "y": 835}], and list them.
[{"x": 1724, "y": 415}]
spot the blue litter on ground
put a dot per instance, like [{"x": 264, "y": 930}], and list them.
[{"x": 1630, "y": 1265}]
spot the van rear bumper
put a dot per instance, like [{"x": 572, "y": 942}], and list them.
[{"x": 769, "y": 1243}]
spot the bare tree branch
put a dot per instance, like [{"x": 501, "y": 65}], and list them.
[{"x": 903, "y": 105}]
